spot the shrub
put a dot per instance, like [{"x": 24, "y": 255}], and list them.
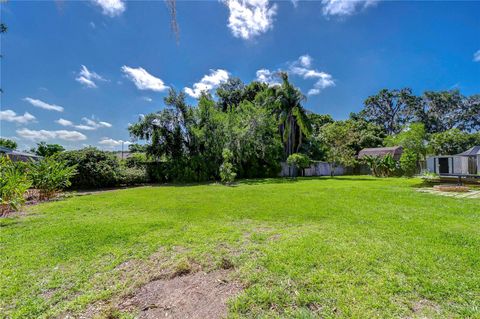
[
  {"x": 132, "y": 176},
  {"x": 50, "y": 175},
  {"x": 95, "y": 168},
  {"x": 408, "y": 163},
  {"x": 227, "y": 171},
  {"x": 13, "y": 185},
  {"x": 384, "y": 166},
  {"x": 136, "y": 160},
  {"x": 299, "y": 161}
]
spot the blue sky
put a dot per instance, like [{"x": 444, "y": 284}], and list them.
[{"x": 78, "y": 72}]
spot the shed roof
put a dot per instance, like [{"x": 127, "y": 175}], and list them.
[
  {"x": 395, "y": 151},
  {"x": 471, "y": 152}
]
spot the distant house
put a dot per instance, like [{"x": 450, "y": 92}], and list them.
[
  {"x": 395, "y": 151},
  {"x": 17, "y": 156},
  {"x": 466, "y": 163}
]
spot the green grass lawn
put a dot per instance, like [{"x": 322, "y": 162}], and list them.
[{"x": 351, "y": 247}]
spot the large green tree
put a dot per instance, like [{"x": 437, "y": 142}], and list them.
[
  {"x": 285, "y": 101},
  {"x": 413, "y": 137},
  {"x": 440, "y": 111},
  {"x": 44, "y": 149},
  {"x": 452, "y": 142},
  {"x": 390, "y": 109}
]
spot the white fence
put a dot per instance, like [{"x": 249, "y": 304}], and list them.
[{"x": 316, "y": 169}]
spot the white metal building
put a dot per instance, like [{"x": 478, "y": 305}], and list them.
[{"x": 466, "y": 163}]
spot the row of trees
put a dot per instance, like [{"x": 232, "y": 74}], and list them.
[
  {"x": 438, "y": 111},
  {"x": 248, "y": 129},
  {"x": 263, "y": 125}
]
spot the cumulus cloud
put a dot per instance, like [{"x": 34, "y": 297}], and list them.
[
  {"x": 11, "y": 116},
  {"x": 250, "y": 18},
  {"x": 87, "y": 78},
  {"x": 111, "y": 8},
  {"x": 476, "y": 56},
  {"x": 43, "y": 105},
  {"x": 345, "y": 7},
  {"x": 44, "y": 135},
  {"x": 267, "y": 76},
  {"x": 144, "y": 80},
  {"x": 90, "y": 124},
  {"x": 207, "y": 83},
  {"x": 107, "y": 141},
  {"x": 302, "y": 67},
  {"x": 147, "y": 99}
]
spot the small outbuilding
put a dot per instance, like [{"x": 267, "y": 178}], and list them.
[
  {"x": 395, "y": 151},
  {"x": 466, "y": 163}
]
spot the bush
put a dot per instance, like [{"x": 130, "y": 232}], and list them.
[
  {"x": 50, "y": 175},
  {"x": 408, "y": 163},
  {"x": 227, "y": 171},
  {"x": 136, "y": 160},
  {"x": 13, "y": 185},
  {"x": 132, "y": 176},
  {"x": 384, "y": 166},
  {"x": 95, "y": 168},
  {"x": 299, "y": 161}
]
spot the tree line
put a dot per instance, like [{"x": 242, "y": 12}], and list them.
[
  {"x": 261, "y": 125},
  {"x": 247, "y": 130}
]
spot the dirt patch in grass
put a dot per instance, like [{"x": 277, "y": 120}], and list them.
[{"x": 195, "y": 295}]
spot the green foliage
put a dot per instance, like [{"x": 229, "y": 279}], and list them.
[
  {"x": 452, "y": 142},
  {"x": 380, "y": 166},
  {"x": 137, "y": 148},
  {"x": 299, "y": 161},
  {"x": 413, "y": 137},
  {"x": 8, "y": 143},
  {"x": 430, "y": 177},
  {"x": 50, "y": 175},
  {"x": 95, "y": 168},
  {"x": 136, "y": 160},
  {"x": 132, "y": 176},
  {"x": 337, "y": 136},
  {"x": 408, "y": 162},
  {"x": 44, "y": 149},
  {"x": 227, "y": 171},
  {"x": 13, "y": 185},
  {"x": 390, "y": 109}
]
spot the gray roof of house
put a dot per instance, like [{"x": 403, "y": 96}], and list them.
[
  {"x": 471, "y": 152},
  {"x": 381, "y": 151}
]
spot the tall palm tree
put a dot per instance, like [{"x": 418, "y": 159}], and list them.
[{"x": 293, "y": 123}]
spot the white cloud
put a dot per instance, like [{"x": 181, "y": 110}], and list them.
[
  {"x": 345, "y": 7},
  {"x": 11, "y": 116},
  {"x": 112, "y": 143},
  {"x": 88, "y": 78},
  {"x": 43, "y": 105},
  {"x": 305, "y": 60},
  {"x": 147, "y": 99},
  {"x": 301, "y": 67},
  {"x": 44, "y": 135},
  {"x": 64, "y": 122},
  {"x": 476, "y": 56},
  {"x": 267, "y": 76},
  {"x": 249, "y": 18},
  {"x": 144, "y": 80},
  {"x": 111, "y": 8},
  {"x": 90, "y": 125},
  {"x": 207, "y": 83}
]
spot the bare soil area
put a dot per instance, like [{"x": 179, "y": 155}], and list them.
[{"x": 196, "y": 295}]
